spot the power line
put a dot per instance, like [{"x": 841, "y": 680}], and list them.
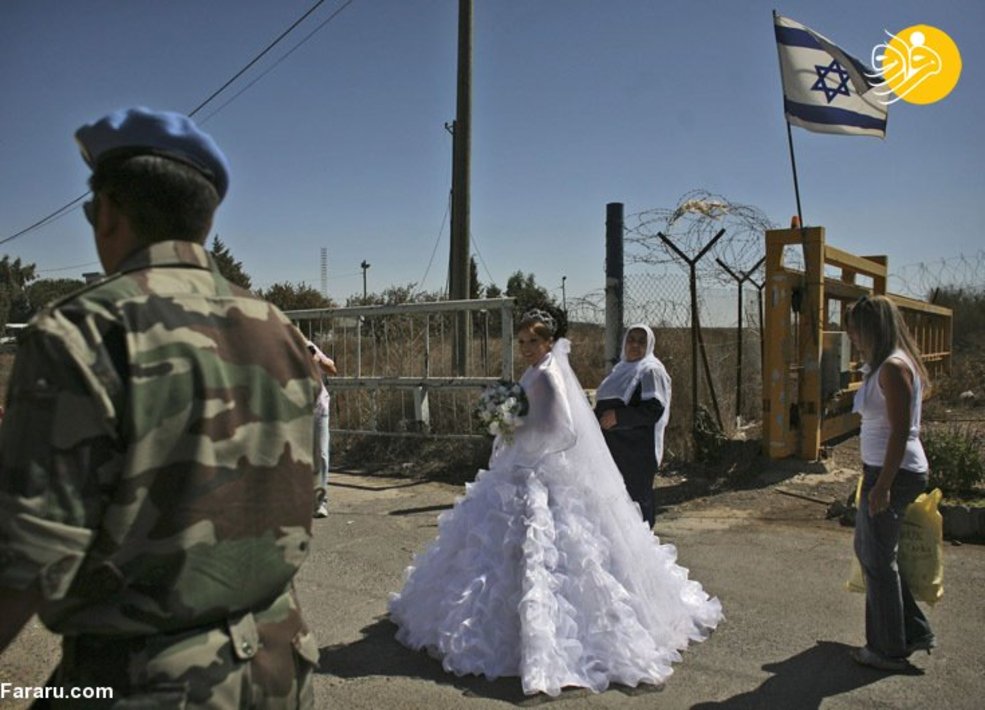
[
  {"x": 257, "y": 58},
  {"x": 68, "y": 268},
  {"x": 278, "y": 62},
  {"x": 475, "y": 243},
  {"x": 437, "y": 241},
  {"x": 61, "y": 211}
]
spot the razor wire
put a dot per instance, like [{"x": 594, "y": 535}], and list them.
[
  {"x": 698, "y": 216},
  {"x": 921, "y": 280}
]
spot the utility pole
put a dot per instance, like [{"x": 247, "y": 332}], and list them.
[
  {"x": 564, "y": 295},
  {"x": 365, "y": 266},
  {"x": 458, "y": 273},
  {"x": 614, "y": 228}
]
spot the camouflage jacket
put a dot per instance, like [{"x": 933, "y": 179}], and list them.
[{"x": 156, "y": 453}]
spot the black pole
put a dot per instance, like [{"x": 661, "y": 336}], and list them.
[
  {"x": 762, "y": 340},
  {"x": 613, "y": 281},
  {"x": 711, "y": 384},
  {"x": 693, "y": 282},
  {"x": 695, "y": 326},
  {"x": 738, "y": 361},
  {"x": 460, "y": 192},
  {"x": 796, "y": 183},
  {"x": 740, "y": 278}
]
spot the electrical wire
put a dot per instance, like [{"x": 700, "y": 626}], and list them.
[
  {"x": 257, "y": 58},
  {"x": 278, "y": 62},
  {"x": 57, "y": 214},
  {"x": 475, "y": 245},
  {"x": 68, "y": 268},
  {"x": 437, "y": 241},
  {"x": 61, "y": 211}
]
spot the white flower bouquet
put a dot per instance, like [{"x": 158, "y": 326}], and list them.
[{"x": 501, "y": 408}]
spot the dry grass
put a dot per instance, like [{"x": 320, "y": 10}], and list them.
[{"x": 450, "y": 458}]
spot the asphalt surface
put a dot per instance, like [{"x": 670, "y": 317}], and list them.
[{"x": 767, "y": 552}]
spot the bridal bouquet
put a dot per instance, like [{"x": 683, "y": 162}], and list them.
[{"x": 501, "y": 408}]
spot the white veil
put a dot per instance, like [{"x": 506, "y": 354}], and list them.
[
  {"x": 648, "y": 372},
  {"x": 561, "y": 420}
]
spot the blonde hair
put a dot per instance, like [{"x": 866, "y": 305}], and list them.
[{"x": 878, "y": 322}]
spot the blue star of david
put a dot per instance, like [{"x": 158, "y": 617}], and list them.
[{"x": 840, "y": 75}]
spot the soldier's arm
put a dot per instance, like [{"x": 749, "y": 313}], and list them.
[
  {"x": 16, "y": 607},
  {"x": 56, "y": 445}
]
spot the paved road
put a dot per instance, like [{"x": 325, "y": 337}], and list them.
[{"x": 777, "y": 565}]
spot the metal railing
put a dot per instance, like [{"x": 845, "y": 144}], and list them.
[{"x": 396, "y": 363}]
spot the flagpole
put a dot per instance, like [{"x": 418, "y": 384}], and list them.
[
  {"x": 796, "y": 184},
  {"x": 796, "y": 189},
  {"x": 793, "y": 159}
]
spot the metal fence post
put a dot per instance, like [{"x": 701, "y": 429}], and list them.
[{"x": 614, "y": 282}]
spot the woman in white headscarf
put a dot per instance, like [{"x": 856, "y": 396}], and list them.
[{"x": 633, "y": 407}]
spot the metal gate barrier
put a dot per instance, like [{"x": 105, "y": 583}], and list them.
[{"x": 809, "y": 365}]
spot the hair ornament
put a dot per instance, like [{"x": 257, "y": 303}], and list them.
[{"x": 541, "y": 316}]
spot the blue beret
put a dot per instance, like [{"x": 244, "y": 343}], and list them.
[{"x": 140, "y": 131}]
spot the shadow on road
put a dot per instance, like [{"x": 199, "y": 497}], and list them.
[
  {"x": 410, "y": 484},
  {"x": 803, "y": 681},
  {"x": 422, "y": 509},
  {"x": 378, "y": 653}
]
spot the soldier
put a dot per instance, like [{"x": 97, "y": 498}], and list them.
[{"x": 156, "y": 454}]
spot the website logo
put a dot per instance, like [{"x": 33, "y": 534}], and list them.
[{"x": 919, "y": 65}]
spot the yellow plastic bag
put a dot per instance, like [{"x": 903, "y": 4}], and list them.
[
  {"x": 856, "y": 581},
  {"x": 921, "y": 549}
]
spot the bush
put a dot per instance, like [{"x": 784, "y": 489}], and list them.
[
  {"x": 957, "y": 457},
  {"x": 968, "y": 305}
]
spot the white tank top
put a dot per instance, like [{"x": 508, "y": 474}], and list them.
[{"x": 870, "y": 402}]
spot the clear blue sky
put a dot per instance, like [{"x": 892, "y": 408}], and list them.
[{"x": 576, "y": 103}]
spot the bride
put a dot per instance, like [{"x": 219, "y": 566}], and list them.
[{"x": 544, "y": 569}]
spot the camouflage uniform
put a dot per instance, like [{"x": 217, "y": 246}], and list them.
[{"x": 155, "y": 479}]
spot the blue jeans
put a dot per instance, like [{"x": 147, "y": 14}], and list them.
[
  {"x": 321, "y": 456},
  {"x": 892, "y": 617}
]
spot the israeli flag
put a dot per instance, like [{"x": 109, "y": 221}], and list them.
[{"x": 826, "y": 90}]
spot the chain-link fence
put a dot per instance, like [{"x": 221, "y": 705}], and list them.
[{"x": 698, "y": 264}]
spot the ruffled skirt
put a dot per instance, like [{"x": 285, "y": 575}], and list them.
[{"x": 529, "y": 577}]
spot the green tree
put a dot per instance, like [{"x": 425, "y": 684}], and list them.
[
  {"x": 295, "y": 297},
  {"x": 228, "y": 265},
  {"x": 968, "y": 305},
  {"x": 44, "y": 291},
  {"x": 528, "y": 293},
  {"x": 476, "y": 288},
  {"x": 393, "y": 296},
  {"x": 493, "y": 291},
  {"x": 14, "y": 276}
]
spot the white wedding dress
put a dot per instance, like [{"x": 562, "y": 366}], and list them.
[{"x": 545, "y": 568}]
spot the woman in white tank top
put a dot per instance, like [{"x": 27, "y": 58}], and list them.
[{"x": 895, "y": 473}]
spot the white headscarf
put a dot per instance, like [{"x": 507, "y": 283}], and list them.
[{"x": 648, "y": 372}]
